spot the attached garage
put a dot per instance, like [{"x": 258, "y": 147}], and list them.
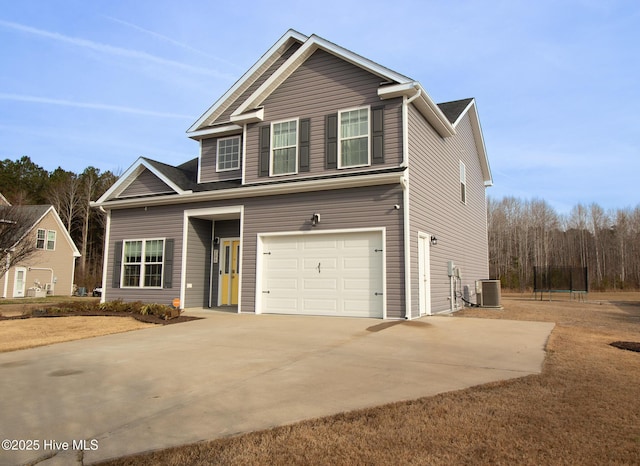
[{"x": 338, "y": 273}]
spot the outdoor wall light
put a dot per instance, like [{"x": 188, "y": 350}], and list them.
[
  {"x": 434, "y": 240},
  {"x": 315, "y": 219}
]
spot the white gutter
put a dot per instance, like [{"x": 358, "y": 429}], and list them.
[{"x": 266, "y": 189}]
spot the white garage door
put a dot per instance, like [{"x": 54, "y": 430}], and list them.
[{"x": 337, "y": 274}]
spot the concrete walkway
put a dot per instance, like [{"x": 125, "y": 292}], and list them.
[{"x": 231, "y": 373}]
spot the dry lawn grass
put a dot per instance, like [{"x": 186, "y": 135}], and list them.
[
  {"x": 29, "y": 333},
  {"x": 583, "y": 409}
]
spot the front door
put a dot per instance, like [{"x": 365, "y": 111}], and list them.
[
  {"x": 20, "y": 281},
  {"x": 229, "y": 272}
]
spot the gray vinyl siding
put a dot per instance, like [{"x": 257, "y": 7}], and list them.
[
  {"x": 339, "y": 209},
  {"x": 224, "y": 117},
  {"x": 198, "y": 270},
  {"x": 322, "y": 85},
  {"x": 436, "y": 208},
  {"x": 346, "y": 208},
  {"x": 141, "y": 223},
  {"x": 144, "y": 185},
  {"x": 208, "y": 160}
]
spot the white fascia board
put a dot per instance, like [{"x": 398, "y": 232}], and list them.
[
  {"x": 215, "y": 131},
  {"x": 478, "y": 138},
  {"x": 250, "y": 76},
  {"x": 425, "y": 105},
  {"x": 268, "y": 189},
  {"x": 298, "y": 58},
  {"x": 130, "y": 176},
  {"x": 65, "y": 233}
]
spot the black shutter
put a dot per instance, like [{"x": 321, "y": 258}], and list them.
[
  {"x": 304, "y": 136},
  {"x": 265, "y": 149},
  {"x": 377, "y": 135},
  {"x": 117, "y": 264},
  {"x": 331, "y": 140},
  {"x": 168, "y": 263}
]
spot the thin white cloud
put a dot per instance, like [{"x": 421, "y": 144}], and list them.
[
  {"x": 112, "y": 50},
  {"x": 89, "y": 105},
  {"x": 170, "y": 40}
]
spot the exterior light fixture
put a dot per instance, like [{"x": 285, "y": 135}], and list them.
[
  {"x": 434, "y": 240},
  {"x": 315, "y": 219}
]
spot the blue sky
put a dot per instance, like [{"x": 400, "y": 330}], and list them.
[{"x": 100, "y": 83}]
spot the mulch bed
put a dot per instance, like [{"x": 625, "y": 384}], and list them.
[
  {"x": 627, "y": 345},
  {"x": 151, "y": 319}
]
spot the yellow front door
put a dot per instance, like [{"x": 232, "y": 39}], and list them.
[{"x": 229, "y": 271}]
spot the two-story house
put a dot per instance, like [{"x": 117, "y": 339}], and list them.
[
  {"x": 49, "y": 269},
  {"x": 326, "y": 184}
]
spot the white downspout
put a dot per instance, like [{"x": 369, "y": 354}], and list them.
[{"x": 404, "y": 182}]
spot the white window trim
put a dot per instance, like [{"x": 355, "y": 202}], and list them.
[
  {"x": 142, "y": 263},
  {"x": 218, "y": 169},
  {"x": 54, "y": 240},
  {"x": 271, "y": 148},
  {"x": 340, "y": 112},
  {"x": 463, "y": 182},
  {"x": 45, "y": 240}
]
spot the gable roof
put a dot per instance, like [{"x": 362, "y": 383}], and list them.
[
  {"x": 247, "y": 79},
  {"x": 393, "y": 85},
  {"x": 457, "y": 109},
  {"x": 31, "y": 216},
  {"x": 180, "y": 179}
]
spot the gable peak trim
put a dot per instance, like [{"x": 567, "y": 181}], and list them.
[{"x": 307, "y": 49}]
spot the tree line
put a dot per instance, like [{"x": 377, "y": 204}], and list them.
[
  {"x": 528, "y": 233},
  {"x": 522, "y": 233},
  {"x": 23, "y": 182}
]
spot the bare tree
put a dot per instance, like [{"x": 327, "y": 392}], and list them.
[{"x": 16, "y": 242}]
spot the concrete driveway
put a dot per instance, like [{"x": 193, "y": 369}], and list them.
[{"x": 231, "y": 373}]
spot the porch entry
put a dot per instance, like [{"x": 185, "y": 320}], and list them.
[{"x": 229, "y": 271}]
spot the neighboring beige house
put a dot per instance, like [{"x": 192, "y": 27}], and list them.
[{"x": 51, "y": 269}]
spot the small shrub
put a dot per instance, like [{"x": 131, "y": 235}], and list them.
[{"x": 156, "y": 309}]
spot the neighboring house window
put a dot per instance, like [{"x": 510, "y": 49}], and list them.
[
  {"x": 46, "y": 239},
  {"x": 284, "y": 147},
  {"x": 353, "y": 137},
  {"x": 463, "y": 183},
  {"x": 228, "y": 154},
  {"x": 41, "y": 238},
  {"x": 51, "y": 240},
  {"x": 142, "y": 263}
]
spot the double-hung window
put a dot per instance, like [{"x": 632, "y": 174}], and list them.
[
  {"x": 228, "y": 154},
  {"x": 46, "y": 239},
  {"x": 284, "y": 147},
  {"x": 142, "y": 263},
  {"x": 353, "y": 133},
  {"x": 41, "y": 238}
]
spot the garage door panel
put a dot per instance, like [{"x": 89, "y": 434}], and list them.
[
  {"x": 323, "y": 284},
  {"x": 324, "y": 274}
]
